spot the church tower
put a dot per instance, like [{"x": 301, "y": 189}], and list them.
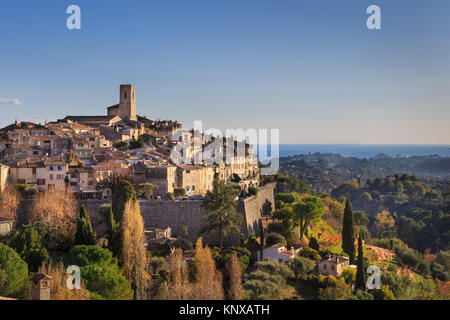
[{"x": 127, "y": 105}]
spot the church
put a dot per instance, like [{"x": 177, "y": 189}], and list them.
[{"x": 124, "y": 115}]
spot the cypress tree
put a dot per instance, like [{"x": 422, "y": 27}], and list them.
[
  {"x": 348, "y": 232},
  {"x": 122, "y": 192},
  {"x": 113, "y": 233},
  {"x": 360, "y": 273},
  {"x": 84, "y": 234}
]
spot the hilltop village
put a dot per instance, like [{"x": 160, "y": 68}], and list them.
[{"x": 82, "y": 151}]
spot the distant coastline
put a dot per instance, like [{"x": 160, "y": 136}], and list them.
[{"x": 364, "y": 150}]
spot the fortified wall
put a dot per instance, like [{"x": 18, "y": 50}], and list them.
[{"x": 184, "y": 216}]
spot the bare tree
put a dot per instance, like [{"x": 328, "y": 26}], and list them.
[
  {"x": 56, "y": 207},
  {"x": 9, "y": 202},
  {"x": 58, "y": 284},
  {"x": 234, "y": 271},
  {"x": 208, "y": 280}
]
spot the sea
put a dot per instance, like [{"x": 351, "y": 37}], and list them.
[{"x": 362, "y": 151}]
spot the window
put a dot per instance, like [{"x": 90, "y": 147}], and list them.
[
  {"x": 332, "y": 267},
  {"x": 324, "y": 267},
  {"x": 21, "y": 181},
  {"x": 59, "y": 177},
  {"x": 34, "y": 170},
  {"x": 51, "y": 177},
  {"x": 41, "y": 182},
  {"x": 125, "y": 95}
]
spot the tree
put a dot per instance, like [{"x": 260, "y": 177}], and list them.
[
  {"x": 83, "y": 255},
  {"x": 145, "y": 190},
  {"x": 9, "y": 202},
  {"x": 335, "y": 289},
  {"x": 132, "y": 255},
  {"x": 349, "y": 275},
  {"x": 360, "y": 272},
  {"x": 234, "y": 271},
  {"x": 221, "y": 215},
  {"x": 84, "y": 234},
  {"x": 307, "y": 211},
  {"x": 58, "y": 285},
  {"x": 301, "y": 266},
  {"x": 348, "y": 232},
  {"x": 122, "y": 192},
  {"x": 179, "y": 288},
  {"x": 179, "y": 193},
  {"x": 314, "y": 244},
  {"x": 137, "y": 144},
  {"x": 169, "y": 196},
  {"x": 16, "y": 271},
  {"x": 275, "y": 238},
  {"x": 208, "y": 280},
  {"x": 106, "y": 283},
  {"x": 384, "y": 222},
  {"x": 56, "y": 208},
  {"x": 28, "y": 243},
  {"x": 113, "y": 233}
]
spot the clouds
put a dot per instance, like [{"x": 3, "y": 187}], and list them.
[{"x": 10, "y": 101}]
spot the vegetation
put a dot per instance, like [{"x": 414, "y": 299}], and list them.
[
  {"x": 348, "y": 232},
  {"x": 15, "y": 273},
  {"x": 84, "y": 233},
  {"x": 221, "y": 215}
]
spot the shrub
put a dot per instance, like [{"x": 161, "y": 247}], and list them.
[
  {"x": 309, "y": 253},
  {"x": 179, "y": 192},
  {"x": 275, "y": 238},
  {"x": 28, "y": 243},
  {"x": 84, "y": 255},
  {"x": 286, "y": 197},
  {"x": 252, "y": 191},
  {"x": 314, "y": 244},
  {"x": 169, "y": 195},
  {"x": 106, "y": 282},
  {"x": 301, "y": 266},
  {"x": 183, "y": 244},
  {"x": 16, "y": 271},
  {"x": 276, "y": 227},
  {"x": 275, "y": 267}
]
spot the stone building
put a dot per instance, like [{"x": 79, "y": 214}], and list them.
[{"x": 334, "y": 265}]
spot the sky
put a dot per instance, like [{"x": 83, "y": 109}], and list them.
[{"x": 311, "y": 69}]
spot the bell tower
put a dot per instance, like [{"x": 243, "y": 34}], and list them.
[{"x": 127, "y": 105}]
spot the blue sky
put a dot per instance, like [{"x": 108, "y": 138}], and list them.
[{"x": 309, "y": 68}]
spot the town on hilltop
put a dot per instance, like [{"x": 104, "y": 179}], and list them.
[{"x": 80, "y": 151}]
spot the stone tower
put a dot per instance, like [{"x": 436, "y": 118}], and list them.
[
  {"x": 41, "y": 286},
  {"x": 127, "y": 105}
]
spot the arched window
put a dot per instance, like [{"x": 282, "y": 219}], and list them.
[{"x": 125, "y": 95}]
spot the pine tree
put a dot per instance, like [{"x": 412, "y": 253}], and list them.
[
  {"x": 348, "y": 232},
  {"x": 360, "y": 274},
  {"x": 84, "y": 234},
  {"x": 221, "y": 215}
]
